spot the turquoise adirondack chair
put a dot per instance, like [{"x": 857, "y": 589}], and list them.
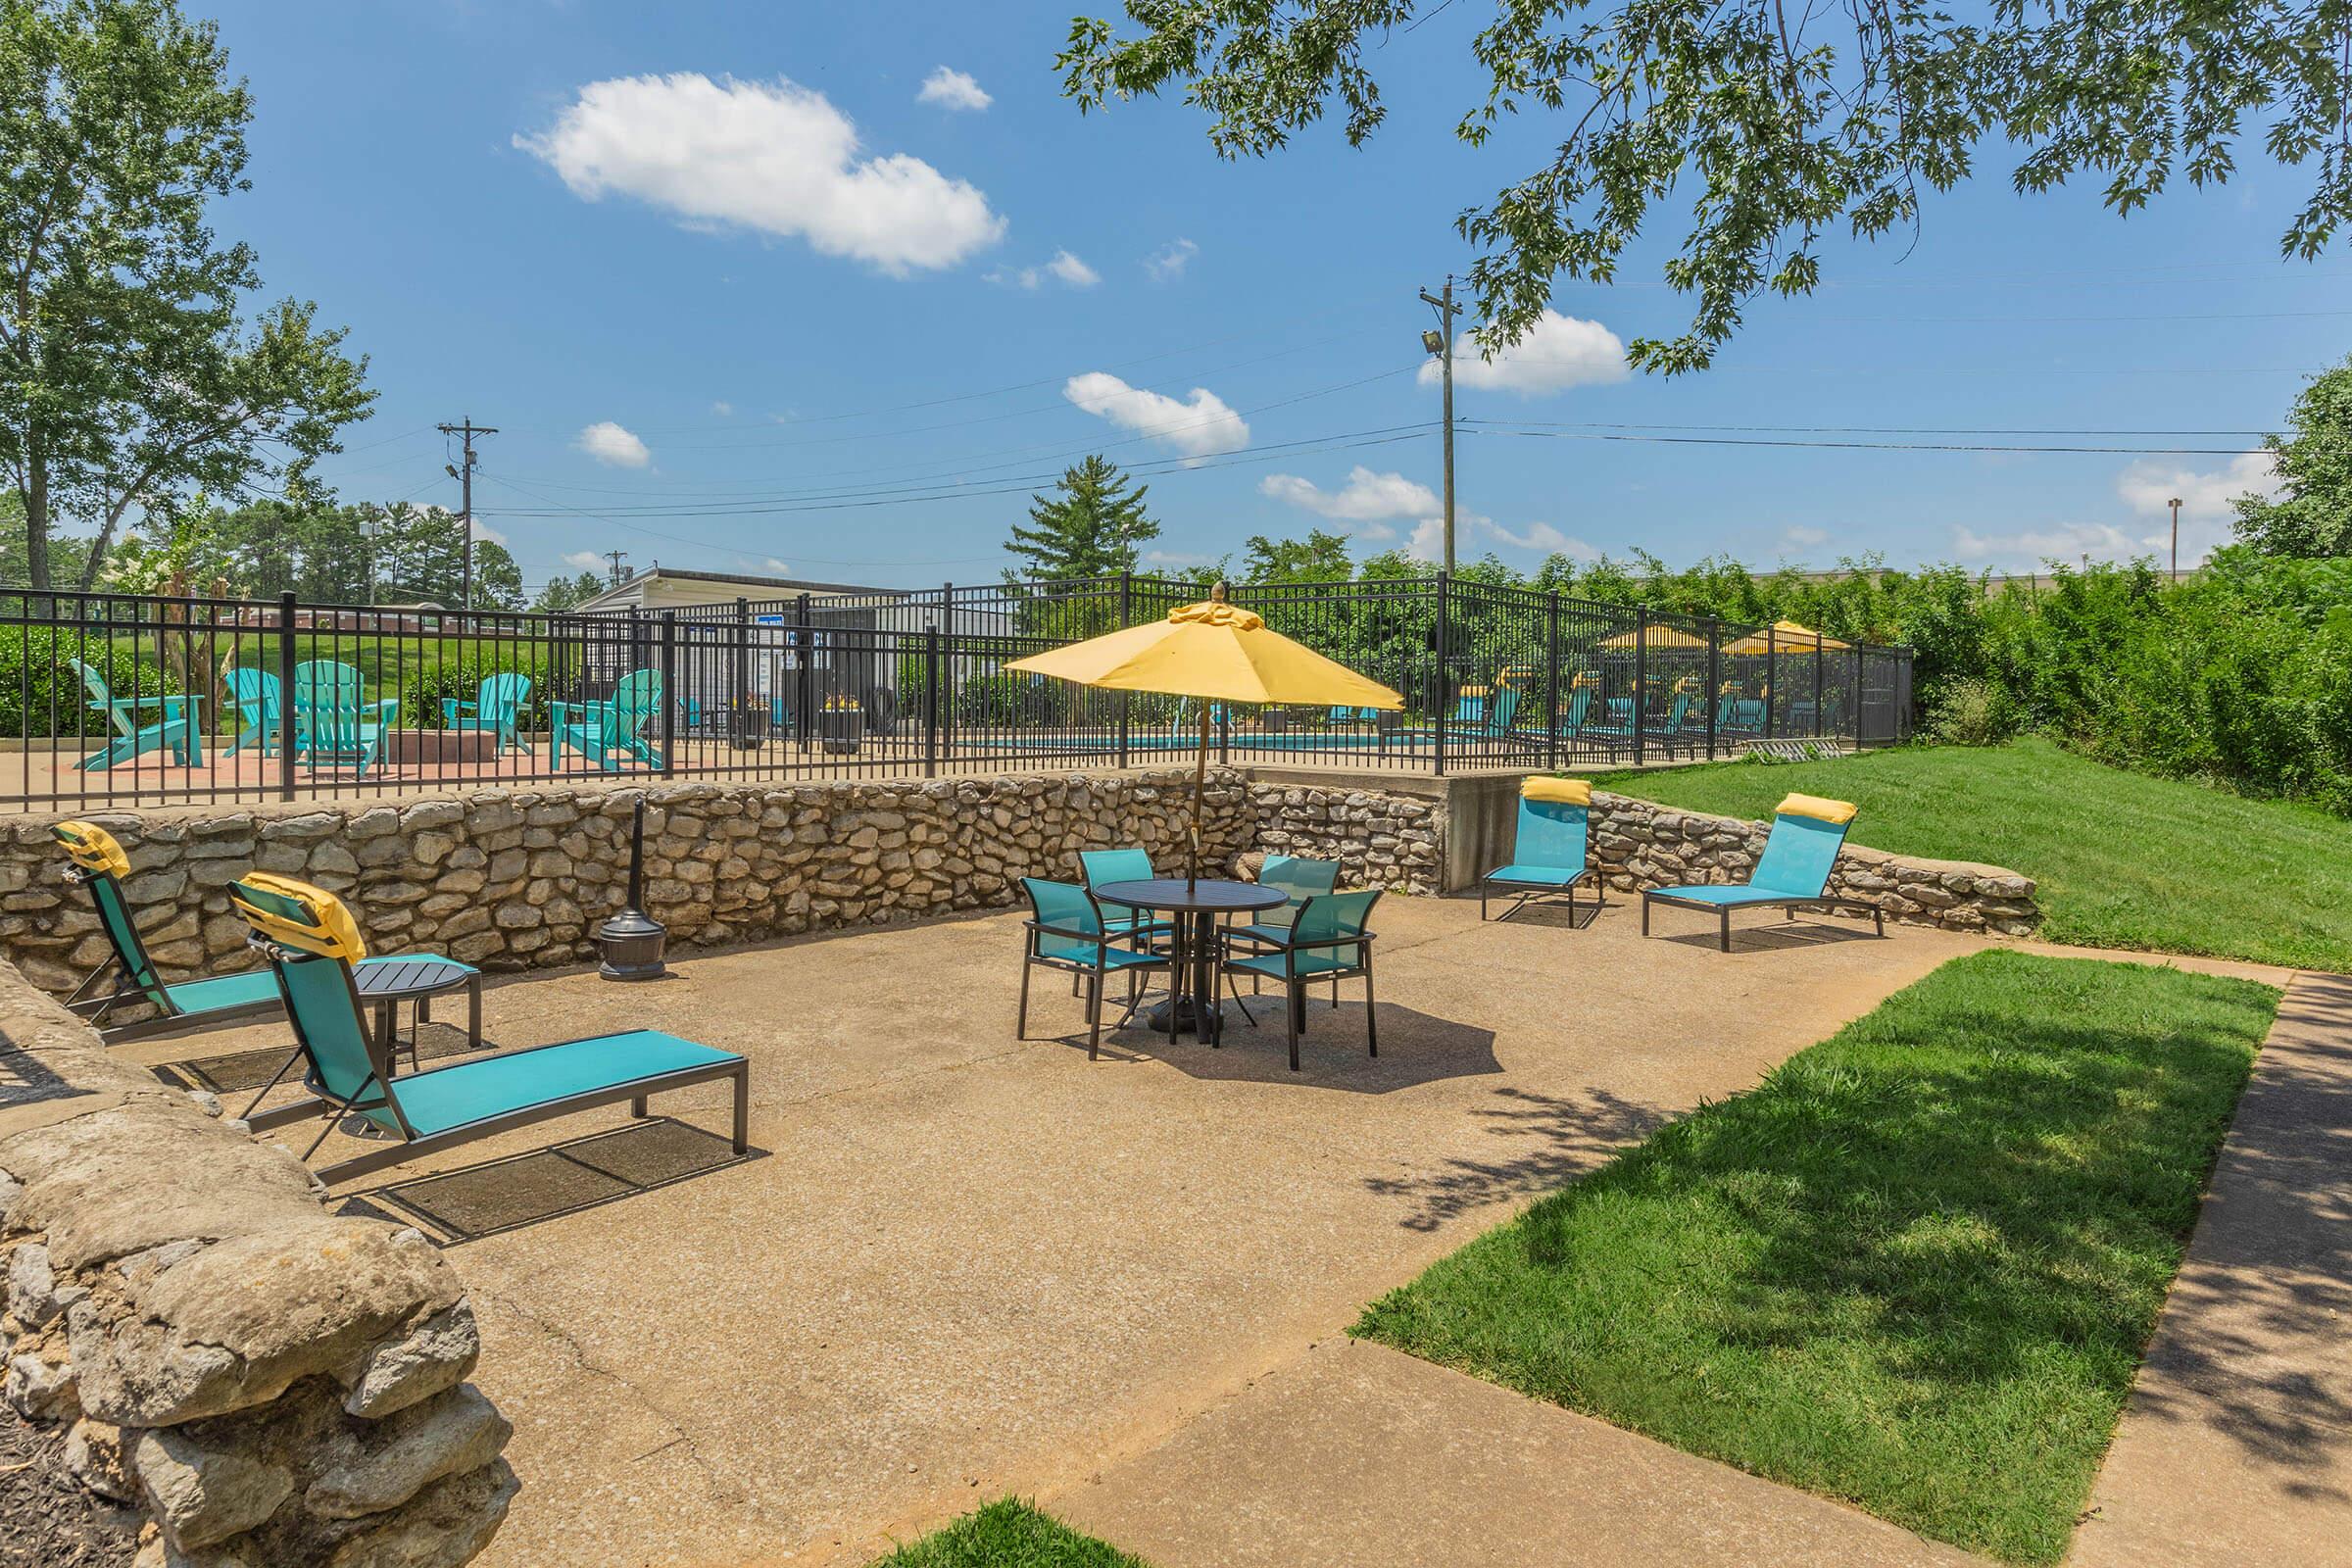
[
  {"x": 606, "y": 732},
  {"x": 495, "y": 709},
  {"x": 261, "y": 704},
  {"x": 334, "y": 723},
  {"x": 179, "y": 727}
]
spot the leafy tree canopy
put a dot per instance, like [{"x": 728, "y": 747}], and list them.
[
  {"x": 1092, "y": 525},
  {"x": 567, "y": 593},
  {"x": 1321, "y": 557},
  {"x": 1780, "y": 123},
  {"x": 2314, "y": 516},
  {"x": 129, "y": 382},
  {"x": 337, "y": 555}
]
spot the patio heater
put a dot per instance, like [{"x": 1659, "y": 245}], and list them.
[{"x": 632, "y": 940}]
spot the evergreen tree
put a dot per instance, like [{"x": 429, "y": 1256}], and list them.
[
  {"x": 567, "y": 593},
  {"x": 1089, "y": 527}
]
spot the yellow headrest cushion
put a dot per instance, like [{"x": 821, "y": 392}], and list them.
[
  {"x": 92, "y": 848},
  {"x": 1828, "y": 811},
  {"x": 330, "y": 931},
  {"x": 1558, "y": 791},
  {"x": 1587, "y": 678}
]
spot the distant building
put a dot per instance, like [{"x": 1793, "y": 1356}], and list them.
[{"x": 660, "y": 587}]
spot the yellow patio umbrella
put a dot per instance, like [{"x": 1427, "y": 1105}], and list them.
[
  {"x": 1213, "y": 652},
  {"x": 1657, "y": 637},
  {"x": 1786, "y": 637}
]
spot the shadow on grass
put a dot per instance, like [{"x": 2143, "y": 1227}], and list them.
[
  {"x": 543, "y": 1184},
  {"x": 1914, "y": 1268}
]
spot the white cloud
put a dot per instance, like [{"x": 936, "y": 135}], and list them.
[
  {"x": 1366, "y": 497},
  {"x": 776, "y": 567},
  {"x": 952, "y": 89},
  {"x": 1428, "y": 541},
  {"x": 723, "y": 408},
  {"x": 2148, "y": 487},
  {"x": 773, "y": 157},
  {"x": 1533, "y": 536},
  {"x": 1062, "y": 267},
  {"x": 1803, "y": 538},
  {"x": 1557, "y": 353},
  {"x": 584, "y": 560},
  {"x": 1196, "y": 426},
  {"x": 609, "y": 443},
  {"x": 2029, "y": 548},
  {"x": 1168, "y": 263},
  {"x": 482, "y": 531}
]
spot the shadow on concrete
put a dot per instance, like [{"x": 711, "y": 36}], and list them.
[
  {"x": 543, "y": 1184},
  {"x": 2250, "y": 1345},
  {"x": 1414, "y": 1047},
  {"x": 27, "y": 1080},
  {"x": 1554, "y": 914},
  {"x": 1784, "y": 936},
  {"x": 1547, "y": 1141},
  {"x": 243, "y": 1071}
]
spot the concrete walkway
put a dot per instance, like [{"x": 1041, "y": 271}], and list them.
[
  {"x": 1355, "y": 1453},
  {"x": 2238, "y": 1445}
]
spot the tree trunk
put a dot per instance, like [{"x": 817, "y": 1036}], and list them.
[{"x": 37, "y": 514}]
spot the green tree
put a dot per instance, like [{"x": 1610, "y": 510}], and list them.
[
  {"x": 1782, "y": 123},
  {"x": 567, "y": 593},
  {"x": 2314, "y": 516},
  {"x": 1092, "y": 525},
  {"x": 130, "y": 382},
  {"x": 1321, "y": 557}
]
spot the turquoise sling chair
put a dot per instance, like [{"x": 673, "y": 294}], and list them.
[
  {"x": 496, "y": 708},
  {"x": 311, "y": 943},
  {"x": 177, "y": 729},
  {"x": 1066, "y": 931},
  {"x": 1328, "y": 940},
  {"x": 1549, "y": 850},
  {"x": 1793, "y": 870},
  {"x": 606, "y": 732},
  {"x": 99, "y": 864},
  {"x": 1298, "y": 877},
  {"x": 334, "y": 723}
]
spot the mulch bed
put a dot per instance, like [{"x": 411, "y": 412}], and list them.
[{"x": 47, "y": 1520}]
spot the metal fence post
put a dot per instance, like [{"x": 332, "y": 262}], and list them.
[
  {"x": 930, "y": 701},
  {"x": 740, "y": 699},
  {"x": 1821, "y": 727},
  {"x": 804, "y": 723},
  {"x": 1714, "y": 698},
  {"x": 1552, "y": 683},
  {"x": 286, "y": 704},
  {"x": 1771, "y": 674},
  {"x": 1859, "y": 707},
  {"x": 1126, "y": 699},
  {"x": 1444, "y": 670},
  {"x": 1639, "y": 710},
  {"x": 669, "y": 693}
]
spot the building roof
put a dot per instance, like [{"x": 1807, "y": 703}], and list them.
[{"x": 735, "y": 582}]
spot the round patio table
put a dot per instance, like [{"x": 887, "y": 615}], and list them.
[{"x": 1198, "y": 905}]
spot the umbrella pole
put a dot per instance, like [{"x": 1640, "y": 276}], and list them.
[{"x": 1192, "y": 863}]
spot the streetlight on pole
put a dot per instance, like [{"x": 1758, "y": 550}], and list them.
[
  {"x": 2174, "y": 504},
  {"x": 1441, "y": 344}
]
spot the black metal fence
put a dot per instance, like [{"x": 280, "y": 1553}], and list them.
[{"x": 118, "y": 699}]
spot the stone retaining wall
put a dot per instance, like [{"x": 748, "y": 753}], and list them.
[
  {"x": 268, "y": 1383},
  {"x": 1380, "y": 840},
  {"x": 1639, "y": 845}
]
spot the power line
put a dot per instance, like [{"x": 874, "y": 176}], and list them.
[
  {"x": 1853, "y": 429},
  {"x": 1866, "y": 446}
]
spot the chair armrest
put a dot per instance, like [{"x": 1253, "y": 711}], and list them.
[
  {"x": 1100, "y": 939},
  {"x": 451, "y": 708}
]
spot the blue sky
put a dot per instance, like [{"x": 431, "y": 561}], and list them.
[{"x": 829, "y": 289}]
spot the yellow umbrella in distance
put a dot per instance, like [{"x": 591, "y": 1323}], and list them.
[
  {"x": 1214, "y": 652},
  {"x": 1656, "y": 637},
  {"x": 1786, "y": 637}
]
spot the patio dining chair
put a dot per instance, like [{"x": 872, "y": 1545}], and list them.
[
  {"x": 496, "y": 709},
  {"x": 176, "y": 726},
  {"x": 606, "y": 732},
  {"x": 1329, "y": 940},
  {"x": 261, "y": 711},
  {"x": 1066, "y": 931},
  {"x": 1551, "y": 848},
  {"x": 1793, "y": 871},
  {"x": 311, "y": 943},
  {"x": 334, "y": 723}
]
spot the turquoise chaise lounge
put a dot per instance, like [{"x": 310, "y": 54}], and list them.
[
  {"x": 312, "y": 943},
  {"x": 1551, "y": 848},
  {"x": 1793, "y": 871}
]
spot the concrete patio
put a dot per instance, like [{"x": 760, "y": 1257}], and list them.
[{"x": 958, "y": 1264}]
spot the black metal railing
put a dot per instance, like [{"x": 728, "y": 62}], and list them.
[{"x": 120, "y": 700}]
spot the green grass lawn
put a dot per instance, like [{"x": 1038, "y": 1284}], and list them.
[
  {"x": 2123, "y": 860},
  {"x": 1913, "y": 1269},
  {"x": 1007, "y": 1533}
]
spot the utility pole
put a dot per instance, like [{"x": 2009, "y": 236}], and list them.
[
  {"x": 462, "y": 473},
  {"x": 617, "y": 573},
  {"x": 2174, "y": 504},
  {"x": 1440, "y": 343}
]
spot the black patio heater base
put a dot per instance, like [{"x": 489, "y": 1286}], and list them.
[{"x": 632, "y": 940}]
